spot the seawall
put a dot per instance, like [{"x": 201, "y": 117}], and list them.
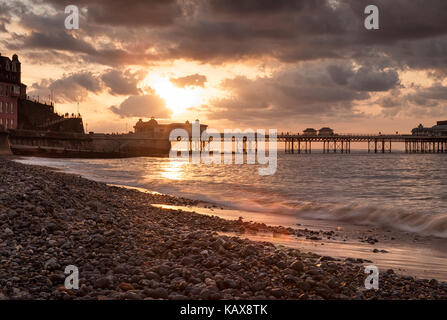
[
  {"x": 4, "y": 143},
  {"x": 76, "y": 145}
]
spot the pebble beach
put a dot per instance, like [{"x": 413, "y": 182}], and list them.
[{"x": 126, "y": 248}]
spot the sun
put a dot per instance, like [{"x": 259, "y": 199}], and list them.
[{"x": 177, "y": 99}]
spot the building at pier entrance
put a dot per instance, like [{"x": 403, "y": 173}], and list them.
[
  {"x": 154, "y": 129},
  {"x": 440, "y": 129}
]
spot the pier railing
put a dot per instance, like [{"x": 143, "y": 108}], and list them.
[
  {"x": 376, "y": 143},
  {"x": 341, "y": 143},
  {"x": 335, "y": 143}
]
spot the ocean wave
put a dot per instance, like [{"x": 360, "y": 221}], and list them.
[
  {"x": 400, "y": 219},
  {"x": 425, "y": 217},
  {"x": 413, "y": 221}
]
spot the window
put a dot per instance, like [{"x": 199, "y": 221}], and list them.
[
  {"x": 6, "y": 107},
  {"x": 1, "y": 89},
  {"x": 12, "y": 107},
  {"x": 7, "y": 123},
  {"x": 7, "y": 89},
  {"x": 12, "y": 123},
  {"x": 1, "y": 106}
]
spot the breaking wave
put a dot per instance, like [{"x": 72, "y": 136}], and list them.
[{"x": 413, "y": 221}]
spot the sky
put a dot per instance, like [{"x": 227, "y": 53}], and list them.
[{"x": 259, "y": 64}]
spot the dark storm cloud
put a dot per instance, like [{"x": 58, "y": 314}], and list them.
[
  {"x": 266, "y": 7},
  {"x": 228, "y": 30},
  {"x": 366, "y": 79},
  {"x": 405, "y": 19},
  {"x": 133, "y": 13},
  {"x": 193, "y": 80},
  {"x": 306, "y": 91},
  {"x": 422, "y": 54},
  {"x": 148, "y": 105},
  {"x": 5, "y": 16},
  {"x": 75, "y": 87},
  {"x": 70, "y": 88},
  {"x": 122, "y": 83},
  {"x": 429, "y": 97},
  {"x": 304, "y": 30},
  {"x": 393, "y": 100},
  {"x": 437, "y": 91},
  {"x": 57, "y": 41},
  {"x": 328, "y": 35},
  {"x": 421, "y": 102},
  {"x": 340, "y": 74},
  {"x": 235, "y": 30}
]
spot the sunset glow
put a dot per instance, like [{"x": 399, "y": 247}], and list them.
[
  {"x": 177, "y": 99},
  {"x": 233, "y": 150}
]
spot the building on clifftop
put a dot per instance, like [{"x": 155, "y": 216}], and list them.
[
  {"x": 17, "y": 112},
  {"x": 11, "y": 90}
]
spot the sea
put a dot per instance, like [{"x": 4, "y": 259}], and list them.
[{"x": 399, "y": 191}]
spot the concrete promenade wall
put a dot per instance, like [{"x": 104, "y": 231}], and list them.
[
  {"x": 87, "y": 145},
  {"x": 4, "y": 143}
]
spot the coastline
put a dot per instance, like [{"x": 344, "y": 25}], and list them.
[{"x": 126, "y": 248}]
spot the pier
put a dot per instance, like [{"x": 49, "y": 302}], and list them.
[
  {"x": 337, "y": 143},
  {"x": 341, "y": 143}
]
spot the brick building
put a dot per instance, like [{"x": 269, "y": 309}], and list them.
[
  {"x": 18, "y": 112},
  {"x": 11, "y": 90}
]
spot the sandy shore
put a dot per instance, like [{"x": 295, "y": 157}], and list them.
[{"x": 125, "y": 248}]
